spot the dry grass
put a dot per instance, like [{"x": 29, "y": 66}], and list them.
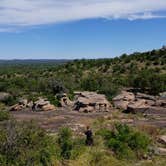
[{"x": 153, "y": 131}]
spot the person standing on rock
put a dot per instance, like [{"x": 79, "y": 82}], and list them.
[{"x": 89, "y": 137}]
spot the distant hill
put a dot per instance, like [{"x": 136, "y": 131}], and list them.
[{"x": 32, "y": 61}]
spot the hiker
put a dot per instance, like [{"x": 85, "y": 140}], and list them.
[{"x": 89, "y": 137}]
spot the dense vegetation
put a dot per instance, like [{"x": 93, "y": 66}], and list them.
[
  {"x": 24, "y": 143},
  {"x": 125, "y": 142},
  {"x": 145, "y": 71}
]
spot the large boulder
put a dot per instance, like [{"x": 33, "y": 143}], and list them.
[
  {"x": 41, "y": 102},
  {"x": 120, "y": 104},
  {"x": 64, "y": 100},
  {"x": 90, "y": 102},
  {"x": 161, "y": 102},
  {"x": 16, "y": 107},
  {"x": 161, "y": 151},
  {"x": 138, "y": 106},
  {"x": 126, "y": 96},
  {"x": 162, "y": 139},
  {"x": 48, "y": 107},
  {"x": 122, "y": 100},
  {"x": 23, "y": 102},
  {"x": 43, "y": 105},
  {"x": 140, "y": 103}
]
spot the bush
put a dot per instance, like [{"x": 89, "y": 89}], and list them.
[
  {"x": 10, "y": 101},
  {"x": 65, "y": 142},
  {"x": 25, "y": 144},
  {"x": 4, "y": 115},
  {"x": 125, "y": 142},
  {"x": 70, "y": 147},
  {"x": 97, "y": 157}
]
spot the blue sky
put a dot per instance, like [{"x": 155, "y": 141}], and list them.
[{"x": 80, "y": 30}]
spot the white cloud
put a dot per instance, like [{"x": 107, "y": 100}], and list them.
[{"x": 20, "y": 13}]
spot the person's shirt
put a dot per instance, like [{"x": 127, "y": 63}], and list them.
[{"x": 88, "y": 133}]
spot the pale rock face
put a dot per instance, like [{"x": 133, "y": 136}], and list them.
[
  {"x": 121, "y": 104},
  {"x": 43, "y": 105},
  {"x": 23, "y": 102},
  {"x": 126, "y": 96},
  {"x": 91, "y": 102},
  {"x": 138, "y": 106},
  {"x": 161, "y": 103},
  {"x": 162, "y": 139},
  {"x": 162, "y": 151},
  {"x": 17, "y": 107},
  {"x": 42, "y": 102},
  {"x": 48, "y": 107},
  {"x": 139, "y": 102},
  {"x": 65, "y": 101},
  {"x": 123, "y": 99},
  {"x": 145, "y": 96},
  {"x": 39, "y": 105}
]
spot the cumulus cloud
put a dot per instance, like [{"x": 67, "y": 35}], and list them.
[{"x": 22, "y": 13}]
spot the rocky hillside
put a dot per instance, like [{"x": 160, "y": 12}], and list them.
[{"x": 145, "y": 72}]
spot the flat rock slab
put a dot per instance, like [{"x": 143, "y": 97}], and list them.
[
  {"x": 162, "y": 139},
  {"x": 161, "y": 151},
  {"x": 53, "y": 120}
]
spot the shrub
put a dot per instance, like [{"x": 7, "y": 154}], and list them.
[
  {"x": 70, "y": 147},
  {"x": 25, "y": 144},
  {"x": 10, "y": 101},
  {"x": 4, "y": 115},
  {"x": 125, "y": 142},
  {"x": 96, "y": 157},
  {"x": 65, "y": 142}
]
